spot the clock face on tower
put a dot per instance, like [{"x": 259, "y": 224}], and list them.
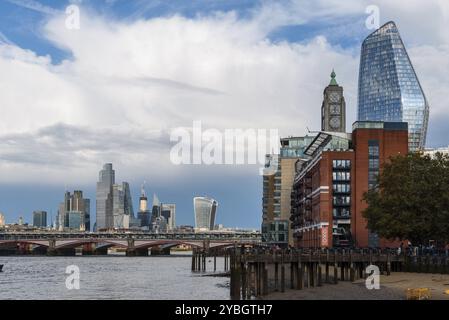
[
  {"x": 335, "y": 109},
  {"x": 334, "y": 122},
  {"x": 334, "y": 97}
]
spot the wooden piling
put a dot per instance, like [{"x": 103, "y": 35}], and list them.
[
  {"x": 265, "y": 280},
  {"x": 292, "y": 275},
  {"x": 300, "y": 277},
  {"x": 319, "y": 281},
  {"x": 276, "y": 276},
  {"x": 282, "y": 278}
]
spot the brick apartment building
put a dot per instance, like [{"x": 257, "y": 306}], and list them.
[{"x": 327, "y": 195}]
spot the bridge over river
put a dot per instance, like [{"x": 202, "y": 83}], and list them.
[{"x": 134, "y": 244}]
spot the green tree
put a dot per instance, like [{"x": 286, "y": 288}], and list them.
[{"x": 411, "y": 200}]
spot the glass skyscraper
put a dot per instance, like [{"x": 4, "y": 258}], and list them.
[
  {"x": 104, "y": 197},
  {"x": 40, "y": 219},
  {"x": 389, "y": 89},
  {"x": 205, "y": 211}
]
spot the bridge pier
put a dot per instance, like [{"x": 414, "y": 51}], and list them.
[
  {"x": 89, "y": 249},
  {"x": 66, "y": 252},
  {"x": 51, "y": 250},
  {"x": 102, "y": 251},
  {"x": 158, "y": 251},
  {"x": 143, "y": 252}
]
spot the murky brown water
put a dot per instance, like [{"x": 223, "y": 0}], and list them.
[{"x": 108, "y": 277}]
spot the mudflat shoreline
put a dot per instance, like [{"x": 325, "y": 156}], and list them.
[{"x": 392, "y": 287}]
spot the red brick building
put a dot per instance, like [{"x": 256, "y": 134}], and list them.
[{"x": 327, "y": 197}]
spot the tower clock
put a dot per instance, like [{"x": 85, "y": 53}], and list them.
[{"x": 333, "y": 109}]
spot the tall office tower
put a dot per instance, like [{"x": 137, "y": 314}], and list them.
[
  {"x": 122, "y": 208},
  {"x": 143, "y": 200},
  {"x": 2, "y": 219},
  {"x": 205, "y": 213},
  {"x": 105, "y": 218},
  {"x": 74, "y": 212},
  {"x": 333, "y": 109},
  {"x": 389, "y": 89},
  {"x": 40, "y": 219},
  {"x": 168, "y": 211},
  {"x": 156, "y": 209},
  {"x": 144, "y": 215}
]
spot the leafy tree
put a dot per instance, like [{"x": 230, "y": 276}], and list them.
[{"x": 411, "y": 200}]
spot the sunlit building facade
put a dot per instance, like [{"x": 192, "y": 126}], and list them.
[
  {"x": 205, "y": 213},
  {"x": 389, "y": 89}
]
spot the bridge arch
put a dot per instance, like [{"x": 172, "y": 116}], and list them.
[
  {"x": 27, "y": 242},
  {"x": 81, "y": 242},
  {"x": 166, "y": 243}
]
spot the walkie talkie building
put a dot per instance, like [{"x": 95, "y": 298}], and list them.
[
  {"x": 205, "y": 212},
  {"x": 389, "y": 89}
]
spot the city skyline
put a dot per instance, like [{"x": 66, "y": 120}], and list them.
[{"x": 127, "y": 122}]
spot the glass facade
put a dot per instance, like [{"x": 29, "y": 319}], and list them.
[
  {"x": 122, "y": 205},
  {"x": 294, "y": 147},
  {"x": 205, "y": 211},
  {"x": 75, "y": 219},
  {"x": 389, "y": 89},
  {"x": 40, "y": 219},
  {"x": 104, "y": 197}
]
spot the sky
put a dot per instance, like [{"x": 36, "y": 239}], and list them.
[{"x": 114, "y": 89}]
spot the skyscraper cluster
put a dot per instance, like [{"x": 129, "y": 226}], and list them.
[
  {"x": 114, "y": 202},
  {"x": 115, "y": 208}
]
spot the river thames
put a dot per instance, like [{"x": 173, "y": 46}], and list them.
[{"x": 109, "y": 277}]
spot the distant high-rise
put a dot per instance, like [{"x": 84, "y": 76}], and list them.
[
  {"x": 168, "y": 211},
  {"x": 40, "y": 219},
  {"x": 389, "y": 89},
  {"x": 105, "y": 217},
  {"x": 122, "y": 207},
  {"x": 144, "y": 215},
  {"x": 205, "y": 213},
  {"x": 143, "y": 200},
  {"x": 2, "y": 219},
  {"x": 74, "y": 207}
]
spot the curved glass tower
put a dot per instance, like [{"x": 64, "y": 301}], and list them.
[
  {"x": 389, "y": 89},
  {"x": 205, "y": 210}
]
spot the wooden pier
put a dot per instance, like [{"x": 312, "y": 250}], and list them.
[{"x": 255, "y": 274}]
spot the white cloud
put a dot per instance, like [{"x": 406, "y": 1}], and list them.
[{"x": 127, "y": 81}]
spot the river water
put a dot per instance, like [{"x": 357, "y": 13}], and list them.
[{"x": 110, "y": 277}]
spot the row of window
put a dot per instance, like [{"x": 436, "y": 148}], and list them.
[
  {"x": 342, "y": 200},
  {"x": 341, "y": 176},
  {"x": 341, "y": 164},
  {"x": 341, "y": 212},
  {"x": 341, "y": 187}
]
